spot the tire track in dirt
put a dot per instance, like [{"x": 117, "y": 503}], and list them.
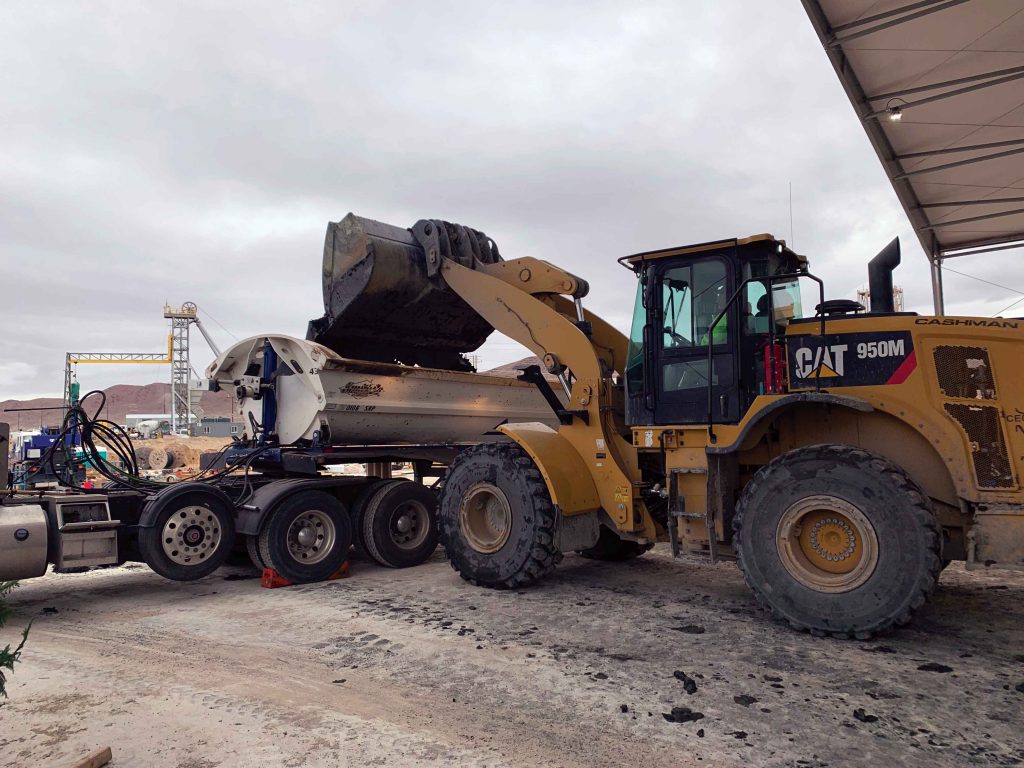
[{"x": 579, "y": 669}]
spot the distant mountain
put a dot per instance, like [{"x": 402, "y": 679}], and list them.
[{"x": 122, "y": 399}]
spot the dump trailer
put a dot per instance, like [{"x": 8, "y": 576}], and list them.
[
  {"x": 300, "y": 393},
  {"x": 842, "y": 456}
]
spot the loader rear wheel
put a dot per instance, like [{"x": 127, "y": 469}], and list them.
[
  {"x": 837, "y": 541},
  {"x": 611, "y": 548},
  {"x": 399, "y": 524},
  {"x": 307, "y": 537},
  {"x": 497, "y": 522}
]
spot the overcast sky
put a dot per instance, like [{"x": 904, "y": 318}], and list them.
[{"x": 195, "y": 152}]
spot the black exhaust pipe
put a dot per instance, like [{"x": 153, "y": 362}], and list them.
[{"x": 880, "y": 277}]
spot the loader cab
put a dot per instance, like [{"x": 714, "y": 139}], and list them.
[{"x": 705, "y": 328}]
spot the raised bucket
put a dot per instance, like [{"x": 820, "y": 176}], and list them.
[{"x": 384, "y": 299}]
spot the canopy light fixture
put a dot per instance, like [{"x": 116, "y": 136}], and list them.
[{"x": 894, "y": 108}]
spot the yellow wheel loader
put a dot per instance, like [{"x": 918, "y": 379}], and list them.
[{"x": 841, "y": 456}]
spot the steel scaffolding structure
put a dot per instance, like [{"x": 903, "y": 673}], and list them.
[
  {"x": 177, "y": 355},
  {"x": 74, "y": 358},
  {"x": 181, "y": 368}
]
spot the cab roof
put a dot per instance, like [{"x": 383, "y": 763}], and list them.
[{"x": 634, "y": 261}]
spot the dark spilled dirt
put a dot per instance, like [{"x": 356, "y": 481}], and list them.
[{"x": 650, "y": 662}]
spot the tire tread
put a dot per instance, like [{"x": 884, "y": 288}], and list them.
[{"x": 362, "y": 531}]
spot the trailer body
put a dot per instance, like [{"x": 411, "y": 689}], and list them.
[{"x": 296, "y": 392}]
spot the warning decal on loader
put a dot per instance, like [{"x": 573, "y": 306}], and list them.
[{"x": 850, "y": 359}]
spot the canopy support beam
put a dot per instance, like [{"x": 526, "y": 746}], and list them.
[{"x": 929, "y": 6}]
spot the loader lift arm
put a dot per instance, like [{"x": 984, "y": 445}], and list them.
[{"x": 527, "y": 300}]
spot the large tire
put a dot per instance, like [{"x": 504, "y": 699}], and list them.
[
  {"x": 611, "y": 548},
  {"x": 497, "y": 522},
  {"x": 399, "y": 524},
  {"x": 191, "y": 536},
  {"x": 837, "y": 541},
  {"x": 307, "y": 537}
]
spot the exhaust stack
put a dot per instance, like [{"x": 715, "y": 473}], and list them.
[{"x": 880, "y": 277}]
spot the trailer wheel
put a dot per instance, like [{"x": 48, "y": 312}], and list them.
[
  {"x": 399, "y": 524},
  {"x": 497, "y": 522},
  {"x": 356, "y": 513},
  {"x": 191, "y": 535},
  {"x": 611, "y": 548},
  {"x": 307, "y": 537},
  {"x": 837, "y": 541}
]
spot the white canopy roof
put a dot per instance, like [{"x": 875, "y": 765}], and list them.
[{"x": 939, "y": 87}]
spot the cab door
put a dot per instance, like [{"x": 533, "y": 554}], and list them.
[{"x": 689, "y": 295}]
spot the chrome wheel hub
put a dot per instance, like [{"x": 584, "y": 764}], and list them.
[
  {"x": 311, "y": 537},
  {"x": 191, "y": 535}
]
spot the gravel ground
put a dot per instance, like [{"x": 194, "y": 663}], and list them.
[{"x": 651, "y": 662}]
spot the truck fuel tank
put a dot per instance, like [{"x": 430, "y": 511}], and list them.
[{"x": 23, "y": 541}]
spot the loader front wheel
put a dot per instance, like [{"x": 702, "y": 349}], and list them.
[
  {"x": 837, "y": 541},
  {"x": 497, "y": 522}
]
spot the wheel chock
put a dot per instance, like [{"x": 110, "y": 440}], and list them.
[{"x": 271, "y": 579}]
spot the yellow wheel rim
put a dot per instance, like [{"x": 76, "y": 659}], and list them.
[
  {"x": 485, "y": 518},
  {"x": 828, "y": 544}
]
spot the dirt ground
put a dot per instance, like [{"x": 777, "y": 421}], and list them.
[{"x": 417, "y": 667}]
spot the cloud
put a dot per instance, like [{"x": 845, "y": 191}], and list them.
[
  {"x": 17, "y": 372},
  {"x": 195, "y": 152}
]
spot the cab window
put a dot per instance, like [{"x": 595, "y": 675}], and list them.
[
  {"x": 635, "y": 354},
  {"x": 759, "y": 309},
  {"x": 692, "y": 296}
]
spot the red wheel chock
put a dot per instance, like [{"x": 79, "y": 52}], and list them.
[{"x": 271, "y": 579}]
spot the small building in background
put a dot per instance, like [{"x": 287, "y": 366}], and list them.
[{"x": 216, "y": 426}]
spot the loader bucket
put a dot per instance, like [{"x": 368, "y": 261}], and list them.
[{"x": 384, "y": 299}]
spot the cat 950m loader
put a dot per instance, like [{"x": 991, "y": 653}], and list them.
[{"x": 842, "y": 456}]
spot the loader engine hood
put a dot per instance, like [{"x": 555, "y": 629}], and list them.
[{"x": 384, "y": 299}]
